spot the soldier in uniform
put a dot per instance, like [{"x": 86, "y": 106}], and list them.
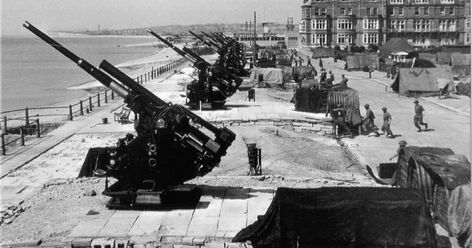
[
  {"x": 387, "y": 119},
  {"x": 368, "y": 125},
  {"x": 418, "y": 118},
  {"x": 321, "y": 63},
  {"x": 338, "y": 114}
]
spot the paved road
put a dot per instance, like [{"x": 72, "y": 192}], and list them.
[{"x": 451, "y": 129}]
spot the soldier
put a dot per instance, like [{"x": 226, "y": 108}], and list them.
[
  {"x": 368, "y": 125},
  {"x": 371, "y": 69},
  {"x": 308, "y": 62},
  {"x": 418, "y": 118},
  {"x": 300, "y": 61},
  {"x": 338, "y": 114},
  {"x": 321, "y": 63},
  {"x": 330, "y": 79},
  {"x": 343, "y": 80},
  {"x": 323, "y": 76},
  {"x": 387, "y": 119},
  {"x": 401, "y": 145}
]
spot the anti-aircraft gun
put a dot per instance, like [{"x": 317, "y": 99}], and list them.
[
  {"x": 214, "y": 85},
  {"x": 171, "y": 145}
]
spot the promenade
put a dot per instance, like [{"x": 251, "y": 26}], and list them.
[{"x": 223, "y": 211}]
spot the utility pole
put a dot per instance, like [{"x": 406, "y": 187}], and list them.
[{"x": 255, "y": 39}]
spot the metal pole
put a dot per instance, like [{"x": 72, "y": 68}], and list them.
[
  {"x": 98, "y": 99},
  {"x": 5, "y": 129},
  {"x": 38, "y": 134},
  {"x": 70, "y": 113},
  {"x": 26, "y": 117},
  {"x": 90, "y": 103},
  {"x": 22, "y": 133},
  {"x": 4, "y": 150},
  {"x": 106, "y": 98},
  {"x": 112, "y": 95},
  {"x": 81, "y": 108}
]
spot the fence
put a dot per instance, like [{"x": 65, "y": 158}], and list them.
[{"x": 20, "y": 122}]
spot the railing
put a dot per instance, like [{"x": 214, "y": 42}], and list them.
[{"x": 18, "y": 121}]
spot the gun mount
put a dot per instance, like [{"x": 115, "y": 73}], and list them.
[
  {"x": 215, "y": 82},
  {"x": 171, "y": 144}
]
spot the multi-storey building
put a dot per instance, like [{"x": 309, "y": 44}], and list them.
[
  {"x": 427, "y": 22},
  {"x": 342, "y": 22},
  {"x": 364, "y": 22}
]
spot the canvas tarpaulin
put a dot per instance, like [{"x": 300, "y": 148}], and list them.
[
  {"x": 348, "y": 98},
  {"x": 428, "y": 56},
  {"x": 395, "y": 45},
  {"x": 303, "y": 72},
  {"x": 343, "y": 217},
  {"x": 322, "y": 52},
  {"x": 460, "y": 64},
  {"x": 270, "y": 75},
  {"x": 412, "y": 81},
  {"x": 459, "y": 214},
  {"x": 452, "y": 170},
  {"x": 360, "y": 61}
]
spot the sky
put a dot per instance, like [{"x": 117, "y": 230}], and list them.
[{"x": 53, "y": 15}]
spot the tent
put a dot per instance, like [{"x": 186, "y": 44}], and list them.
[
  {"x": 395, "y": 45},
  {"x": 428, "y": 56},
  {"x": 322, "y": 52},
  {"x": 460, "y": 64},
  {"x": 343, "y": 217},
  {"x": 420, "y": 81},
  {"x": 361, "y": 61},
  {"x": 269, "y": 76}
]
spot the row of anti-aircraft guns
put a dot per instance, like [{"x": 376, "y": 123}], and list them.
[
  {"x": 172, "y": 144},
  {"x": 216, "y": 82}
]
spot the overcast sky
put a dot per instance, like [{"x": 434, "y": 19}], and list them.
[{"x": 118, "y": 14}]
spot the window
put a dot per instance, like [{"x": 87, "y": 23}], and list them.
[
  {"x": 447, "y": 1},
  {"x": 303, "y": 25},
  {"x": 467, "y": 37},
  {"x": 316, "y": 11},
  {"x": 400, "y": 11},
  {"x": 344, "y": 24},
  {"x": 452, "y": 25},
  {"x": 367, "y": 10},
  {"x": 451, "y": 11},
  {"x": 371, "y": 38},
  {"x": 344, "y": 38},
  {"x": 442, "y": 25},
  {"x": 417, "y": 11},
  {"x": 323, "y": 11},
  {"x": 417, "y": 25},
  {"x": 305, "y": 13},
  {"x": 426, "y": 11},
  {"x": 396, "y": 1},
  {"x": 393, "y": 25},
  {"x": 392, "y": 12},
  {"x": 370, "y": 24},
  {"x": 443, "y": 11},
  {"x": 349, "y": 11},
  {"x": 371, "y": 11},
  {"x": 319, "y": 24},
  {"x": 426, "y": 26},
  {"x": 342, "y": 11},
  {"x": 374, "y": 11},
  {"x": 401, "y": 25},
  {"x": 421, "y": 1},
  {"x": 467, "y": 23},
  {"x": 319, "y": 39}
]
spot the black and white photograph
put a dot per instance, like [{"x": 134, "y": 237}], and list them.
[{"x": 235, "y": 124}]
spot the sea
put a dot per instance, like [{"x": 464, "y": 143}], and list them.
[{"x": 33, "y": 74}]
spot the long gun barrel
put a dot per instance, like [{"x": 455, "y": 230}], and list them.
[
  {"x": 204, "y": 41},
  {"x": 212, "y": 41},
  {"x": 86, "y": 66},
  {"x": 180, "y": 52}
]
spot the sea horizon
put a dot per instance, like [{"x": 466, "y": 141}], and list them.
[{"x": 34, "y": 74}]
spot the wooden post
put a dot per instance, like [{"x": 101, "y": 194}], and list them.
[
  {"x": 98, "y": 99},
  {"x": 106, "y": 98},
  {"x": 141, "y": 78},
  {"x": 70, "y": 113},
  {"x": 5, "y": 129},
  {"x": 90, "y": 103},
  {"x": 112, "y": 95},
  {"x": 26, "y": 117},
  {"x": 152, "y": 72},
  {"x": 81, "y": 108},
  {"x": 38, "y": 134},
  {"x": 4, "y": 150},
  {"x": 22, "y": 134}
]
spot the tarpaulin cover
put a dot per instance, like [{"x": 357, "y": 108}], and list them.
[
  {"x": 428, "y": 56},
  {"x": 349, "y": 100},
  {"x": 309, "y": 98},
  {"x": 422, "y": 80},
  {"x": 303, "y": 72},
  {"x": 395, "y": 45},
  {"x": 343, "y": 217},
  {"x": 359, "y": 61},
  {"x": 322, "y": 52},
  {"x": 460, "y": 64},
  {"x": 463, "y": 88},
  {"x": 444, "y": 58},
  {"x": 453, "y": 170},
  {"x": 270, "y": 75},
  {"x": 287, "y": 70},
  {"x": 459, "y": 214},
  {"x": 97, "y": 158}
]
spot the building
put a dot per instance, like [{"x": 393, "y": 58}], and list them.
[
  {"x": 426, "y": 23},
  {"x": 363, "y": 22},
  {"x": 342, "y": 22}
]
